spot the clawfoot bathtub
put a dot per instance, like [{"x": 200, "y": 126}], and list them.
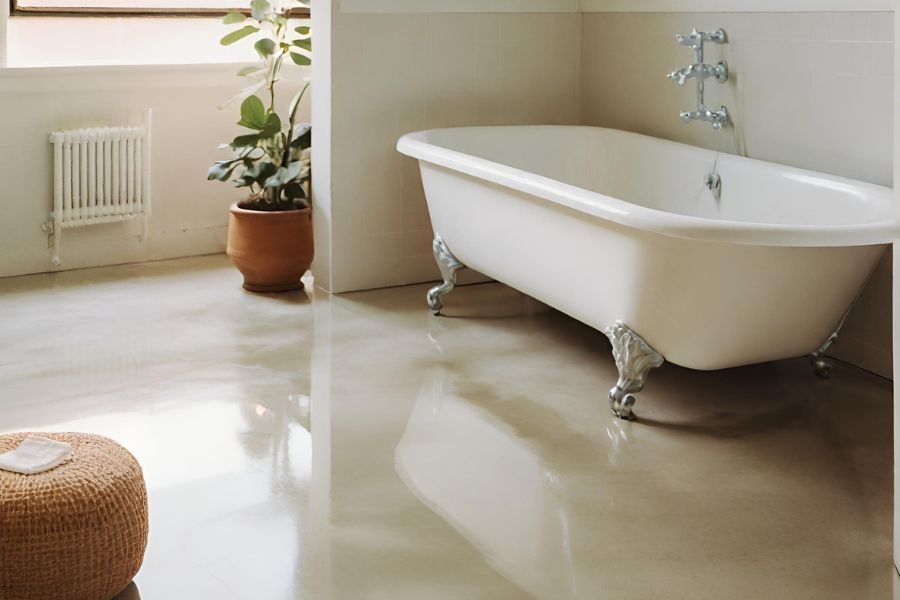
[{"x": 619, "y": 231}]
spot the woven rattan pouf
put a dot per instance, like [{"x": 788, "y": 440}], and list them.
[{"x": 76, "y": 532}]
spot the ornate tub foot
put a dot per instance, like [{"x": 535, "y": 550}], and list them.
[
  {"x": 634, "y": 358},
  {"x": 449, "y": 266},
  {"x": 821, "y": 366}
]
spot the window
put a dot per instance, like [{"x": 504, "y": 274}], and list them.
[{"x": 129, "y": 7}]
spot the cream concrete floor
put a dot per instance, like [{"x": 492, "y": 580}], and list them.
[{"x": 306, "y": 446}]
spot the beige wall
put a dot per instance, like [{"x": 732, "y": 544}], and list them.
[
  {"x": 867, "y": 337},
  {"x": 190, "y": 214},
  {"x": 397, "y": 73},
  {"x": 812, "y": 90}
]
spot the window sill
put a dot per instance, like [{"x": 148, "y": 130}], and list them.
[
  {"x": 119, "y": 65},
  {"x": 129, "y": 77}
]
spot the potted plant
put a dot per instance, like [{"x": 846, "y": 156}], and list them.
[{"x": 270, "y": 232}]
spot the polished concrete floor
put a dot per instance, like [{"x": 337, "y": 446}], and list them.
[{"x": 307, "y": 446}]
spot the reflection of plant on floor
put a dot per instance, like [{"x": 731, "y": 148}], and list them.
[
  {"x": 272, "y": 157},
  {"x": 271, "y": 425}
]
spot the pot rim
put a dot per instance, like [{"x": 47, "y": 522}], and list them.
[{"x": 267, "y": 213}]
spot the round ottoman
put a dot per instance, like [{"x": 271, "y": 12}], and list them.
[{"x": 76, "y": 532}]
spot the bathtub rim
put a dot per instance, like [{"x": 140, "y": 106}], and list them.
[{"x": 416, "y": 145}]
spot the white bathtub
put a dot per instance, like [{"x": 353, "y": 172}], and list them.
[{"x": 610, "y": 226}]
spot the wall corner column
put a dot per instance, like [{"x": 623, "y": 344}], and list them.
[
  {"x": 4, "y": 28},
  {"x": 321, "y": 16}
]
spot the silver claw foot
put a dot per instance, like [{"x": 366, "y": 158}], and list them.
[
  {"x": 634, "y": 358},
  {"x": 449, "y": 267},
  {"x": 821, "y": 366}
]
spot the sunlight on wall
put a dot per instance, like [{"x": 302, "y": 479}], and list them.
[
  {"x": 201, "y": 4},
  {"x": 62, "y": 41}
]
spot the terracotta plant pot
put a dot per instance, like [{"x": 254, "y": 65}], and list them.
[{"x": 272, "y": 250}]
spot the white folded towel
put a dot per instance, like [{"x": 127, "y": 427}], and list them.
[{"x": 35, "y": 455}]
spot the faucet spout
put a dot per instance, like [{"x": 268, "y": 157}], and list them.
[
  {"x": 701, "y": 71},
  {"x": 695, "y": 39},
  {"x": 713, "y": 182},
  {"x": 682, "y": 75},
  {"x": 719, "y": 72}
]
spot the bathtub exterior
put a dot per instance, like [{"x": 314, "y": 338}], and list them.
[{"x": 702, "y": 303}]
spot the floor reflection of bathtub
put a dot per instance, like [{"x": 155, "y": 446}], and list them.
[
  {"x": 450, "y": 456},
  {"x": 701, "y": 511}
]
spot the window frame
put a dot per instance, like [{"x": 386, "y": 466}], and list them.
[{"x": 17, "y": 11}]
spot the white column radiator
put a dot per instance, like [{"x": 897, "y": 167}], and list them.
[{"x": 100, "y": 175}]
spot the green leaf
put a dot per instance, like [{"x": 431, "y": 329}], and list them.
[
  {"x": 244, "y": 93},
  {"x": 284, "y": 175},
  {"x": 300, "y": 59},
  {"x": 238, "y": 34},
  {"x": 293, "y": 170},
  {"x": 305, "y": 44},
  {"x": 258, "y": 173},
  {"x": 222, "y": 170},
  {"x": 303, "y": 30},
  {"x": 234, "y": 17},
  {"x": 250, "y": 70},
  {"x": 294, "y": 190},
  {"x": 265, "y": 47},
  {"x": 259, "y": 8},
  {"x": 243, "y": 141},
  {"x": 253, "y": 113},
  {"x": 302, "y": 136},
  {"x": 277, "y": 180},
  {"x": 272, "y": 126},
  {"x": 295, "y": 102}
]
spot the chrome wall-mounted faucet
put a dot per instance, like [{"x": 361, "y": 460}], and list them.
[{"x": 701, "y": 72}]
